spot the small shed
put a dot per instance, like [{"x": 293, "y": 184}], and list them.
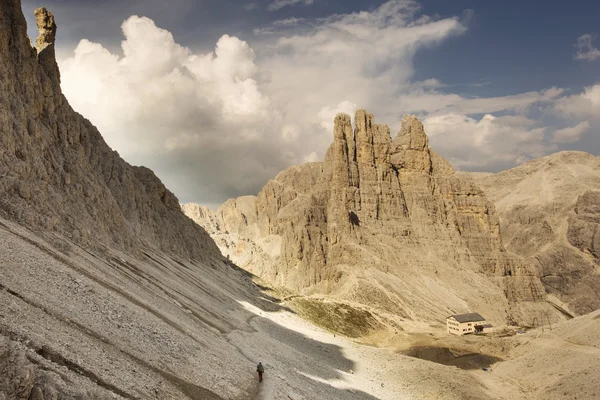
[
  {"x": 485, "y": 328},
  {"x": 464, "y": 324}
]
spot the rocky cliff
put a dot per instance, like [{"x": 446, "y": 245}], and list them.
[
  {"x": 549, "y": 210},
  {"x": 58, "y": 175},
  {"x": 387, "y": 224},
  {"x": 107, "y": 290}
]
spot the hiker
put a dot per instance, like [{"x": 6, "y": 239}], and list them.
[{"x": 260, "y": 369}]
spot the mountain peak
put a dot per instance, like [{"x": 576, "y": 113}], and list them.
[
  {"x": 357, "y": 226},
  {"x": 44, "y": 45},
  {"x": 47, "y": 28}
]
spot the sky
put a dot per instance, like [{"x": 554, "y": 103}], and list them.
[{"x": 218, "y": 97}]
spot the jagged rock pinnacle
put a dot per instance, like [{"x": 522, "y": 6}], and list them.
[
  {"x": 411, "y": 146},
  {"x": 412, "y": 134},
  {"x": 44, "y": 45},
  {"x": 47, "y": 28}
]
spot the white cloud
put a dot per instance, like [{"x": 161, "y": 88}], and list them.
[
  {"x": 489, "y": 143},
  {"x": 498, "y": 142},
  {"x": 585, "y": 48},
  {"x": 274, "y": 26},
  {"x": 220, "y": 124},
  {"x": 430, "y": 83},
  {"x": 362, "y": 58},
  {"x": 278, "y": 4},
  {"x": 186, "y": 115},
  {"x": 520, "y": 102},
  {"x": 312, "y": 157},
  {"x": 418, "y": 99},
  {"x": 327, "y": 114},
  {"x": 585, "y": 104},
  {"x": 571, "y": 134},
  {"x": 480, "y": 84}
]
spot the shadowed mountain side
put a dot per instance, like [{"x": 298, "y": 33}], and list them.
[
  {"x": 156, "y": 329},
  {"x": 383, "y": 223},
  {"x": 81, "y": 325},
  {"x": 549, "y": 209}
]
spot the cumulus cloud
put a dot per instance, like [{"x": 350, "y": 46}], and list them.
[
  {"x": 490, "y": 143},
  {"x": 585, "y": 48},
  {"x": 219, "y": 124},
  {"x": 585, "y": 104},
  {"x": 278, "y": 4},
  {"x": 502, "y": 138},
  {"x": 571, "y": 134},
  {"x": 185, "y": 114},
  {"x": 362, "y": 58}
]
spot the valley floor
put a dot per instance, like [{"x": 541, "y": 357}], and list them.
[{"x": 103, "y": 325}]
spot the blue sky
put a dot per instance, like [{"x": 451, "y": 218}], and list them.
[
  {"x": 495, "y": 83},
  {"x": 516, "y": 45}
]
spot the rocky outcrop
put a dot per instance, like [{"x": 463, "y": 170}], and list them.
[
  {"x": 584, "y": 223},
  {"x": 384, "y": 223},
  {"x": 44, "y": 44},
  {"x": 58, "y": 175},
  {"x": 549, "y": 212},
  {"x": 24, "y": 379},
  {"x": 241, "y": 249}
]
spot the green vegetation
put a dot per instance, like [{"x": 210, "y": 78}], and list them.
[{"x": 336, "y": 317}]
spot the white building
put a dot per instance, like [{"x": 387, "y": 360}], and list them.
[{"x": 463, "y": 324}]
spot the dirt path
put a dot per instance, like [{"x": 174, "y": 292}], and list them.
[{"x": 265, "y": 390}]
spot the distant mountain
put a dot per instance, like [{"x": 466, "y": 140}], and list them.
[
  {"x": 383, "y": 224},
  {"x": 549, "y": 211}
]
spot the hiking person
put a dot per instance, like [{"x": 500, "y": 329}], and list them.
[{"x": 260, "y": 369}]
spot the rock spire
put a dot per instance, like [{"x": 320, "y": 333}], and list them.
[
  {"x": 383, "y": 223},
  {"x": 45, "y": 44}
]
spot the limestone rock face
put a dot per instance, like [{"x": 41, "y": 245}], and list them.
[
  {"x": 241, "y": 249},
  {"x": 549, "y": 210},
  {"x": 47, "y": 29},
  {"x": 44, "y": 44},
  {"x": 387, "y": 224},
  {"x": 583, "y": 224},
  {"x": 57, "y": 174}
]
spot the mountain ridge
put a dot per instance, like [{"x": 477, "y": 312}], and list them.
[
  {"x": 549, "y": 210},
  {"x": 57, "y": 172}
]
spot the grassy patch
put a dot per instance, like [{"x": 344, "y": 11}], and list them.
[{"x": 336, "y": 317}]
